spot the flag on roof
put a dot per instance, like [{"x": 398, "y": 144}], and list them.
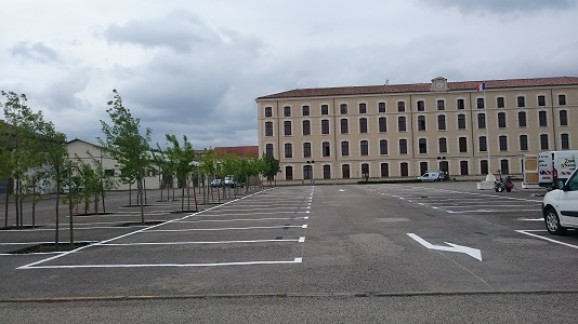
[{"x": 481, "y": 86}]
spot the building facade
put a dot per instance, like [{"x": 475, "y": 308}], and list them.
[{"x": 469, "y": 128}]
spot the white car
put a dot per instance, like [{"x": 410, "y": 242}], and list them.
[
  {"x": 560, "y": 206},
  {"x": 432, "y": 176}
]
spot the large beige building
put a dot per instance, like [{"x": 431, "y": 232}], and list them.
[{"x": 403, "y": 130}]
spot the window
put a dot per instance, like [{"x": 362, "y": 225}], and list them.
[
  {"x": 324, "y": 126},
  {"x": 109, "y": 173},
  {"x": 522, "y": 119},
  {"x": 345, "y": 174},
  {"x": 365, "y": 169},
  {"x": 500, "y": 103},
  {"x": 442, "y": 145},
  {"x": 521, "y": 100},
  {"x": 401, "y": 106},
  {"x": 461, "y": 103},
  {"x": 542, "y": 118},
  {"x": 562, "y": 100},
  {"x": 326, "y": 171},
  {"x": 287, "y": 127},
  {"x": 381, "y": 107},
  {"x": 461, "y": 121},
  {"x": 401, "y": 124},
  {"x": 565, "y": 141},
  {"x": 420, "y": 105},
  {"x": 343, "y": 109},
  {"x": 324, "y": 110},
  {"x": 563, "y": 118},
  {"x": 422, "y": 144},
  {"x": 441, "y": 122},
  {"x": 305, "y": 110},
  {"x": 501, "y": 120},
  {"x": 288, "y": 173},
  {"x": 307, "y": 172},
  {"x": 463, "y": 144},
  {"x": 523, "y": 142},
  {"x": 384, "y": 170},
  {"x": 383, "y": 146},
  {"x": 344, "y": 126},
  {"x": 503, "y": 142},
  {"x": 484, "y": 166},
  {"x": 325, "y": 149},
  {"x": 306, "y": 150},
  {"x": 363, "y": 125},
  {"x": 268, "y": 111},
  {"x": 504, "y": 166},
  {"x": 382, "y": 124},
  {"x": 404, "y": 169},
  {"x": 421, "y": 123},
  {"x": 544, "y": 142},
  {"x": 269, "y": 150},
  {"x": 344, "y": 148},
  {"x": 402, "y": 146},
  {"x": 287, "y": 111},
  {"x": 288, "y": 150},
  {"x": 483, "y": 144},
  {"x": 441, "y": 104},
  {"x": 464, "y": 168},
  {"x": 542, "y": 101},
  {"x": 480, "y": 103},
  {"x": 268, "y": 128},
  {"x": 363, "y": 108},
  {"x": 306, "y": 127},
  {"x": 364, "y": 148},
  {"x": 481, "y": 121}
]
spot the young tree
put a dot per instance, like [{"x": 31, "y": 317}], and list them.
[
  {"x": 270, "y": 167},
  {"x": 127, "y": 145},
  {"x": 209, "y": 168},
  {"x": 37, "y": 145},
  {"x": 183, "y": 165}
]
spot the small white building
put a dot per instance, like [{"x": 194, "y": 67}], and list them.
[{"x": 87, "y": 151}]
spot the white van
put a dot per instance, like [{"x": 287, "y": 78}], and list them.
[
  {"x": 560, "y": 206},
  {"x": 432, "y": 176}
]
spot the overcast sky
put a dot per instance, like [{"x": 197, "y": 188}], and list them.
[{"x": 195, "y": 67}]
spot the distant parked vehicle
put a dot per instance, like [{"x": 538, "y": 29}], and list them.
[
  {"x": 217, "y": 183},
  {"x": 432, "y": 176}
]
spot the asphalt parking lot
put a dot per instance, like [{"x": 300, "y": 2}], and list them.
[{"x": 432, "y": 252}]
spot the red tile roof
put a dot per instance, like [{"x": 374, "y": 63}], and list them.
[
  {"x": 238, "y": 151},
  {"x": 422, "y": 87}
]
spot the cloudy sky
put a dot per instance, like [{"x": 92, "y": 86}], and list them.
[{"x": 195, "y": 67}]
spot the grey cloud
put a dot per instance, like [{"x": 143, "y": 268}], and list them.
[
  {"x": 503, "y": 6},
  {"x": 181, "y": 31},
  {"x": 34, "y": 51}
]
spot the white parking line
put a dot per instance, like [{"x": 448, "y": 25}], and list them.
[
  {"x": 177, "y": 265},
  {"x": 299, "y": 240},
  {"x": 527, "y": 232},
  {"x": 240, "y": 220},
  {"x": 226, "y": 229}
]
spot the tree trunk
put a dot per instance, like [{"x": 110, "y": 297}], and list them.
[
  {"x": 6, "y": 202},
  {"x": 182, "y": 198},
  {"x": 195, "y": 197},
  {"x": 140, "y": 190}
]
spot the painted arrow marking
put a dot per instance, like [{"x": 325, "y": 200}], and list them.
[{"x": 475, "y": 253}]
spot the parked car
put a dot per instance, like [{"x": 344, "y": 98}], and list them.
[
  {"x": 229, "y": 181},
  {"x": 217, "y": 183},
  {"x": 560, "y": 206},
  {"x": 432, "y": 176}
]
